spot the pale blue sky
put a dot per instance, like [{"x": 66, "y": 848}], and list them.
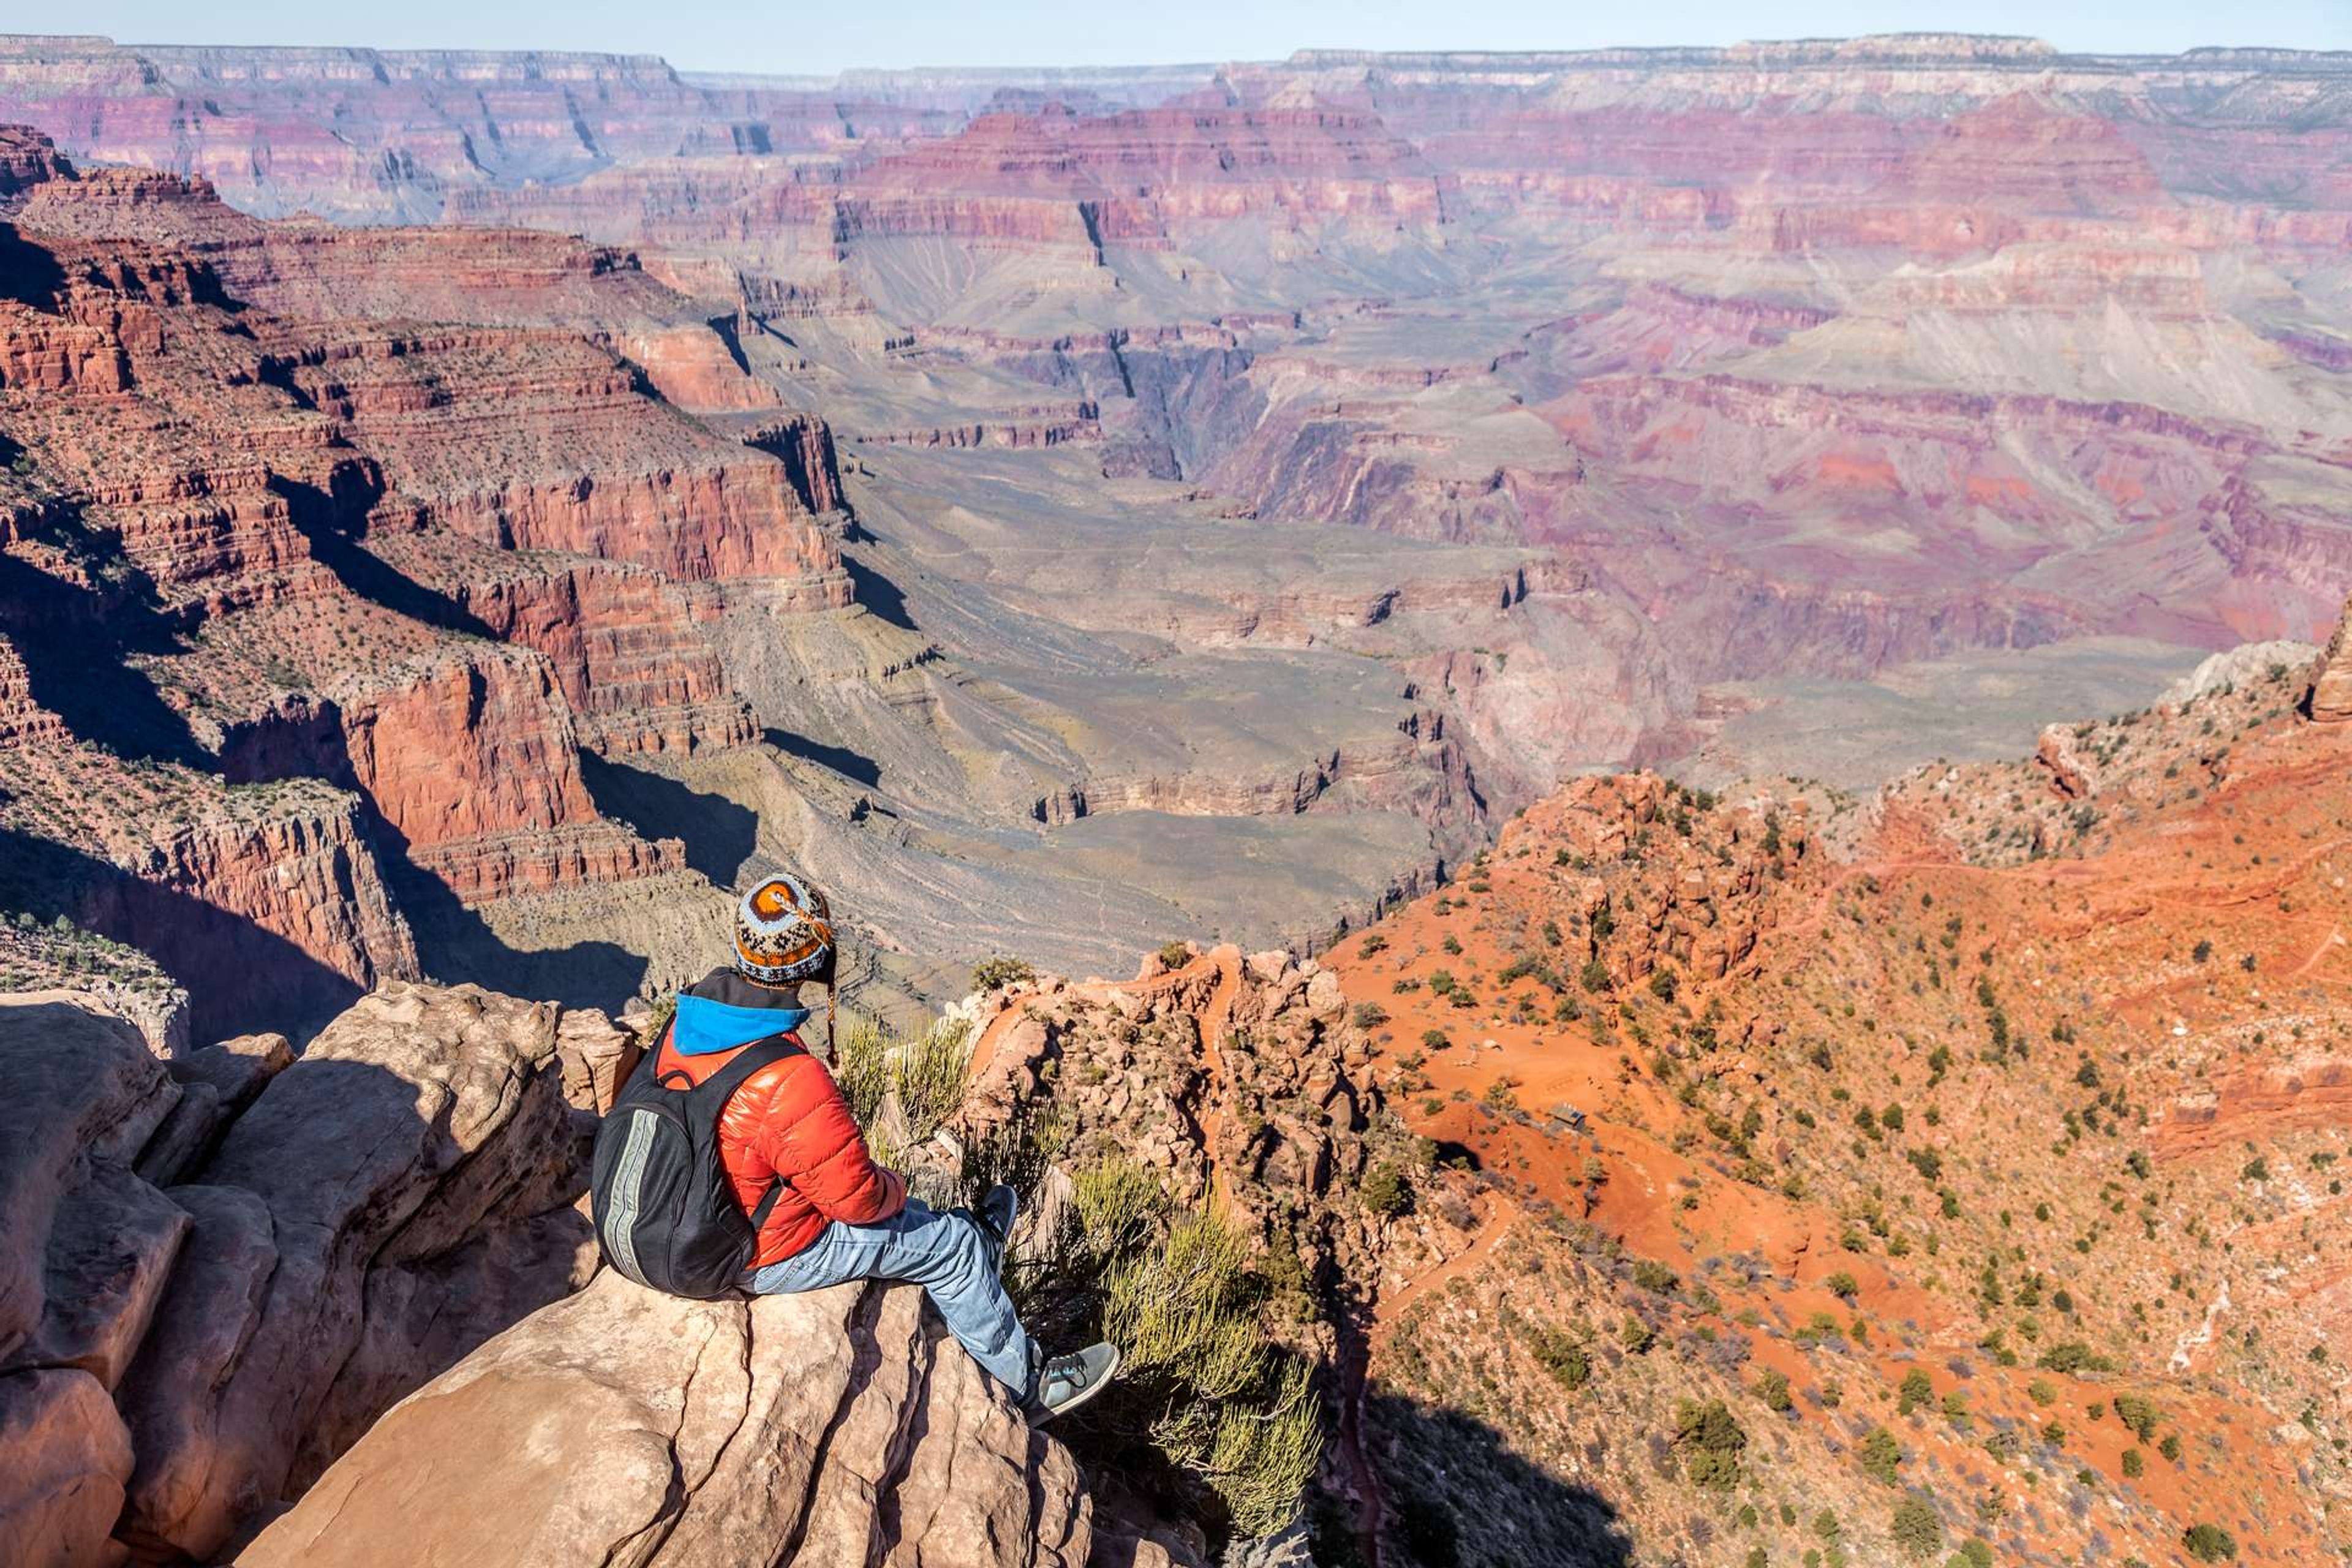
[{"x": 718, "y": 35}]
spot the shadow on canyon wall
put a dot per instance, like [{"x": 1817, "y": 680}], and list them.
[
  {"x": 78, "y": 642},
  {"x": 1459, "y": 1496},
  {"x": 239, "y": 977},
  {"x": 719, "y": 835},
  {"x": 877, "y": 593},
  {"x": 855, "y": 766},
  {"x": 331, "y": 521}
]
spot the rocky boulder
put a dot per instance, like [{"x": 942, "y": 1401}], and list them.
[
  {"x": 2329, "y": 701},
  {"x": 220, "y": 1269},
  {"x": 620, "y": 1426},
  {"x": 88, "y": 1248},
  {"x": 417, "y": 1124}
]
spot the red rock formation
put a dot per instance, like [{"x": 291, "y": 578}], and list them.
[
  {"x": 635, "y": 673},
  {"x": 2329, "y": 701},
  {"x": 23, "y": 721},
  {"x": 470, "y": 758}
]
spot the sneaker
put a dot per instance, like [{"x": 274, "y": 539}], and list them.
[
  {"x": 1059, "y": 1385},
  {"x": 998, "y": 1212}
]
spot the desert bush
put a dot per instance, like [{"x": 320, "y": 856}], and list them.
[
  {"x": 1203, "y": 1386},
  {"x": 924, "y": 1072},
  {"x": 1773, "y": 1388},
  {"x": 1916, "y": 1391},
  {"x": 1175, "y": 955},
  {"x": 2209, "y": 1543},
  {"x": 2139, "y": 1414},
  {"x": 1915, "y": 1529},
  {"x": 1881, "y": 1455},
  {"x": 1563, "y": 1356},
  {"x": 1651, "y": 1275},
  {"x": 1710, "y": 1442},
  {"x": 1386, "y": 1192},
  {"x": 997, "y": 973}
]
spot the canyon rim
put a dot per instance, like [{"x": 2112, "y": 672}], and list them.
[{"x": 1640, "y": 757}]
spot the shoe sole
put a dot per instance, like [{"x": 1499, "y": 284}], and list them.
[{"x": 1110, "y": 1376}]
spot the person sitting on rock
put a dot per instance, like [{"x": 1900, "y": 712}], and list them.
[{"x": 836, "y": 1215}]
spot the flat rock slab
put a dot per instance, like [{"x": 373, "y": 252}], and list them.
[{"x": 628, "y": 1429}]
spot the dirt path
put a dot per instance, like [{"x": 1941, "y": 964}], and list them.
[
  {"x": 1391, "y": 1309},
  {"x": 1359, "y": 1342}
]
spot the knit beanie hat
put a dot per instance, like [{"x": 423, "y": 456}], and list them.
[{"x": 783, "y": 933}]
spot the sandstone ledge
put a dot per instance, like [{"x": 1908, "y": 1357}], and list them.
[{"x": 624, "y": 1427}]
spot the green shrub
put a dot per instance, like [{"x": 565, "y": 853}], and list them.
[
  {"x": 1710, "y": 1441},
  {"x": 1842, "y": 1285},
  {"x": 1915, "y": 1529},
  {"x": 998, "y": 974},
  {"x": 1773, "y": 1388},
  {"x": 1231, "y": 1409},
  {"x": 1386, "y": 1192},
  {"x": 1593, "y": 976},
  {"x": 1651, "y": 1275},
  {"x": 2072, "y": 1356},
  {"x": 924, "y": 1073},
  {"x": 1563, "y": 1356},
  {"x": 2135, "y": 1464},
  {"x": 1663, "y": 984},
  {"x": 2210, "y": 1544},
  {"x": 2137, "y": 1414},
  {"x": 1370, "y": 1015},
  {"x": 1175, "y": 955},
  {"x": 1916, "y": 1391},
  {"x": 1881, "y": 1454}
]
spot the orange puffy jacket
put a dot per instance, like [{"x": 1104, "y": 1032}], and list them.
[{"x": 789, "y": 1121}]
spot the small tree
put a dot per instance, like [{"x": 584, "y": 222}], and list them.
[
  {"x": 1916, "y": 1391},
  {"x": 1386, "y": 1192},
  {"x": 1916, "y": 1528},
  {"x": 1881, "y": 1454},
  {"x": 1710, "y": 1440},
  {"x": 2210, "y": 1544}
]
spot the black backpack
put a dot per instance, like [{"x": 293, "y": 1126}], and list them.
[{"x": 665, "y": 1212}]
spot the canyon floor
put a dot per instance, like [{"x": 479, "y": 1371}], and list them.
[{"x": 1003, "y": 497}]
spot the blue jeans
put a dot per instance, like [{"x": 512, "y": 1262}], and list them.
[{"x": 946, "y": 1254}]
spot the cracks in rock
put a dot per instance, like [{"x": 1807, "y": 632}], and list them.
[{"x": 867, "y": 1360}]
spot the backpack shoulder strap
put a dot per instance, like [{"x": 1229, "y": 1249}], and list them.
[
  {"x": 722, "y": 1084},
  {"x": 748, "y": 1059}
]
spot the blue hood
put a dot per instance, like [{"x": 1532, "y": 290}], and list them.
[{"x": 705, "y": 1027}]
